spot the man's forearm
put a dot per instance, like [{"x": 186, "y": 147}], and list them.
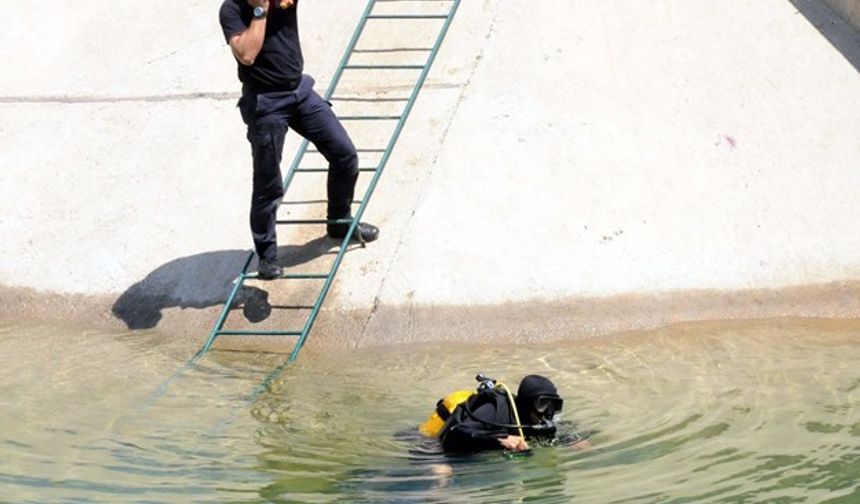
[{"x": 246, "y": 46}]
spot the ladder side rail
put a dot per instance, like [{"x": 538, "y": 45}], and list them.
[
  {"x": 350, "y": 48},
  {"x": 222, "y": 319},
  {"x": 395, "y": 136},
  {"x": 162, "y": 389},
  {"x": 239, "y": 281},
  {"x": 344, "y": 60},
  {"x": 297, "y": 159},
  {"x": 376, "y": 176}
]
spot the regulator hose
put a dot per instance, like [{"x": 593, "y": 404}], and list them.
[{"x": 513, "y": 407}]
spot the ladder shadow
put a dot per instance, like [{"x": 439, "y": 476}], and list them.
[
  {"x": 204, "y": 280},
  {"x": 841, "y": 35}
]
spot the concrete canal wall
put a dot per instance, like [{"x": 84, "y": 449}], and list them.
[
  {"x": 571, "y": 168},
  {"x": 848, "y": 9}
]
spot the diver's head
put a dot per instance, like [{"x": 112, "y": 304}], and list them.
[{"x": 538, "y": 400}]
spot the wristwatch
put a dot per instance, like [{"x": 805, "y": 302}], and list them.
[{"x": 259, "y": 12}]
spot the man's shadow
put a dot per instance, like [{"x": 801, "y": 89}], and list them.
[{"x": 205, "y": 280}]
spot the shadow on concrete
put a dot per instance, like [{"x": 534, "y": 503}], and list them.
[
  {"x": 835, "y": 29},
  {"x": 204, "y": 280}
]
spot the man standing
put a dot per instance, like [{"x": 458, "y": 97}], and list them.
[{"x": 264, "y": 38}]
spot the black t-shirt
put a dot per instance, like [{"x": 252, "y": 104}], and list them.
[{"x": 280, "y": 60}]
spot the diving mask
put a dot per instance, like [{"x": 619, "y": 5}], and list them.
[{"x": 548, "y": 405}]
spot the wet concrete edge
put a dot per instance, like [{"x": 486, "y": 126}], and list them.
[{"x": 527, "y": 321}]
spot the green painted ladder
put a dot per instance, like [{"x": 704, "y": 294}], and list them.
[{"x": 369, "y": 16}]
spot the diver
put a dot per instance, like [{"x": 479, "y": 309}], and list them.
[{"x": 493, "y": 418}]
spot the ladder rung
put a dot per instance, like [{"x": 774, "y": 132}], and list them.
[
  {"x": 259, "y": 333},
  {"x": 384, "y": 67},
  {"x": 369, "y": 118},
  {"x": 392, "y": 50},
  {"x": 323, "y": 170},
  {"x": 315, "y": 221},
  {"x": 315, "y": 151},
  {"x": 293, "y": 276},
  {"x": 312, "y": 202},
  {"x": 368, "y": 100},
  {"x": 303, "y": 202},
  {"x": 407, "y": 16}
]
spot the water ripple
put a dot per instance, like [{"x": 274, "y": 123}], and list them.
[{"x": 762, "y": 412}]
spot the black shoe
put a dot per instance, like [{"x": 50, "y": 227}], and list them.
[
  {"x": 364, "y": 232},
  {"x": 269, "y": 269}
]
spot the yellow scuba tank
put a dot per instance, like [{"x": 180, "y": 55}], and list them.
[{"x": 432, "y": 427}]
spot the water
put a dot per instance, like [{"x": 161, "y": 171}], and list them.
[{"x": 721, "y": 412}]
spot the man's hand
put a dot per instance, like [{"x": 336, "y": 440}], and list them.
[
  {"x": 514, "y": 443},
  {"x": 286, "y": 4}
]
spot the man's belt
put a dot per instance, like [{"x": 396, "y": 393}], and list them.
[{"x": 289, "y": 85}]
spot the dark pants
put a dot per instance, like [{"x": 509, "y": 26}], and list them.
[{"x": 268, "y": 116}]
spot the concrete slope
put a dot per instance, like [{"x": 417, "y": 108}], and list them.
[
  {"x": 849, "y": 10},
  {"x": 563, "y": 154}
]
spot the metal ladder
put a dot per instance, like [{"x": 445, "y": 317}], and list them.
[{"x": 369, "y": 16}]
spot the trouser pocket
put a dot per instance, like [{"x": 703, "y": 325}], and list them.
[
  {"x": 247, "y": 105},
  {"x": 266, "y": 150}
]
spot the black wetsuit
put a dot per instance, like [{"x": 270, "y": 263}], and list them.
[{"x": 480, "y": 422}]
